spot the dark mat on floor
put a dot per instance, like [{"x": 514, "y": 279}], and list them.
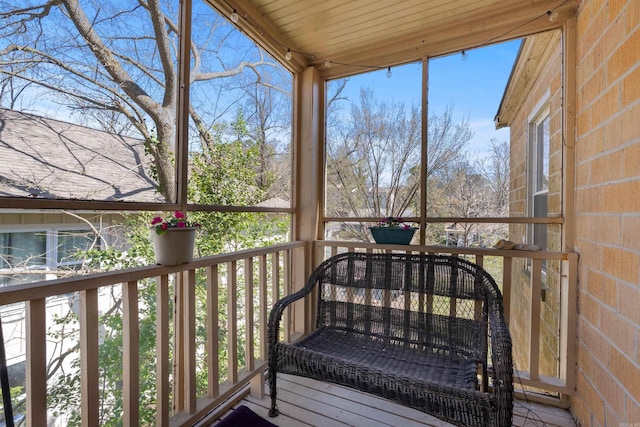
[{"x": 244, "y": 417}]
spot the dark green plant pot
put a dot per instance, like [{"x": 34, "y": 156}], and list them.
[{"x": 392, "y": 235}]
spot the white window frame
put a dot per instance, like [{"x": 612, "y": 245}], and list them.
[{"x": 541, "y": 114}]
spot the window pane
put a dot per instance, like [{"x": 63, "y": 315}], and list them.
[
  {"x": 240, "y": 127},
  {"x": 92, "y": 110},
  {"x": 540, "y": 230},
  {"x": 72, "y": 242},
  {"x": 468, "y": 158},
  {"x": 22, "y": 250},
  {"x": 373, "y": 144},
  {"x": 542, "y": 158}
]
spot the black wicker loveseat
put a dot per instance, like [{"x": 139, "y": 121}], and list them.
[{"x": 415, "y": 329}]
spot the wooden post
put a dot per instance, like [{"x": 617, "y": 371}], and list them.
[
  {"x": 36, "y": 381},
  {"x": 130, "y": 355},
  {"x": 89, "y": 377}
]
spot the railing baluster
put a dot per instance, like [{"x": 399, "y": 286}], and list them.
[
  {"x": 213, "y": 336},
  {"x": 249, "y": 315},
  {"x": 179, "y": 345},
  {"x": 569, "y": 319},
  {"x": 189, "y": 316},
  {"x": 89, "y": 378},
  {"x": 507, "y": 265},
  {"x": 480, "y": 260},
  {"x": 36, "y": 381},
  {"x": 130, "y": 355},
  {"x": 162, "y": 351},
  {"x": 534, "y": 338},
  {"x": 477, "y": 307},
  {"x": 232, "y": 322},
  {"x": 275, "y": 285},
  {"x": 296, "y": 315},
  {"x": 263, "y": 307}
]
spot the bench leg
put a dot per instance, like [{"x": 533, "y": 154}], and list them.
[{"x": 273, "y": 412}]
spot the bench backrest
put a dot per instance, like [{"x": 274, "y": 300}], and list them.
[{"x": 426, "y": 301}]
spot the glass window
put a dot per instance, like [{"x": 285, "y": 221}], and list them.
[
  {"x": 542, "y": 155},
  {"x": 373, "y": 146},
  {"x": 92, "y": 115},
  {"x": 23, "y": 249},
  {"x": 29, "y": 256},
  {"x": 71, "y": 243},
  {"x": 240, "y": 118},
  {"x": 540, "y": 177},
  {"x": 375, "y": 161}
]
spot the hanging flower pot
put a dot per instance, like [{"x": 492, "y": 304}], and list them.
[
  {"x": 392, "y": 231},
  {"x": 393, "y": 235},
  {"x": 173, "y": 239}
]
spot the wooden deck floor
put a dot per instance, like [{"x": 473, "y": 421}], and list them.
[{"x": 306, "y": 402}]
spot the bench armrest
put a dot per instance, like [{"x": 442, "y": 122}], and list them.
[{"x": 273, "y": 325}]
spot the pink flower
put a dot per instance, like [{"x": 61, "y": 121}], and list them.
[{"x": 177, "y": 220}]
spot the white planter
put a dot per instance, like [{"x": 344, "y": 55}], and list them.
[{"x": 175, "y": 246}]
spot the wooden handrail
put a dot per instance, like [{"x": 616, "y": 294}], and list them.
[{"x": 47, "y": 288}]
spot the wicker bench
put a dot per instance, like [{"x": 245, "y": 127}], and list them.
[{"x": 415, "y": 329}]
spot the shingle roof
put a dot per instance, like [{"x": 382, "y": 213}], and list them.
[{"x": 41, "y": 157}]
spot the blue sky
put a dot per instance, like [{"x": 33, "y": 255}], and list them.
[{"x": 473, "y": 87}]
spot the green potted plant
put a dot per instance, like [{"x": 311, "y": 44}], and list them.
[
  {"x": 392, "y": 230},
  {"x": 173, "y": 239}
]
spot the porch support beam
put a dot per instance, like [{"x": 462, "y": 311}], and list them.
[
  {"x": 569, "y": 282},
  {"x": 309, "y": 96},
  {"x": 424, "y": 144},
  {"x": 182, "y": 113},
  {"x": 568, "y": 133}
]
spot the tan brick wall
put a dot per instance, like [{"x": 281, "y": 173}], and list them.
[
  {"x": 549, "y": 82},
  {"x": 608, "y": 212}
]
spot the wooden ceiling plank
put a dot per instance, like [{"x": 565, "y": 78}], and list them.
[
  {"x": 387, "y": 32},
  {"x": 436, "y": 43},
  {"x": 509, "y": 13},
  {"x": 373, "y": 24}
]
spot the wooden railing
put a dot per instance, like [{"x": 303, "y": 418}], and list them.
[
  {"x": 253, "y": 279},
  {"x": 514, "y": 266}
]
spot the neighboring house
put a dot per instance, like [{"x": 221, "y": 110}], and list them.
[
  {"x": 47, "y": 158},
  {"x": 458, "y": 234}
]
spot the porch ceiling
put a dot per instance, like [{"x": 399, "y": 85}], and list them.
[{"x": 384, "y": 33}]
